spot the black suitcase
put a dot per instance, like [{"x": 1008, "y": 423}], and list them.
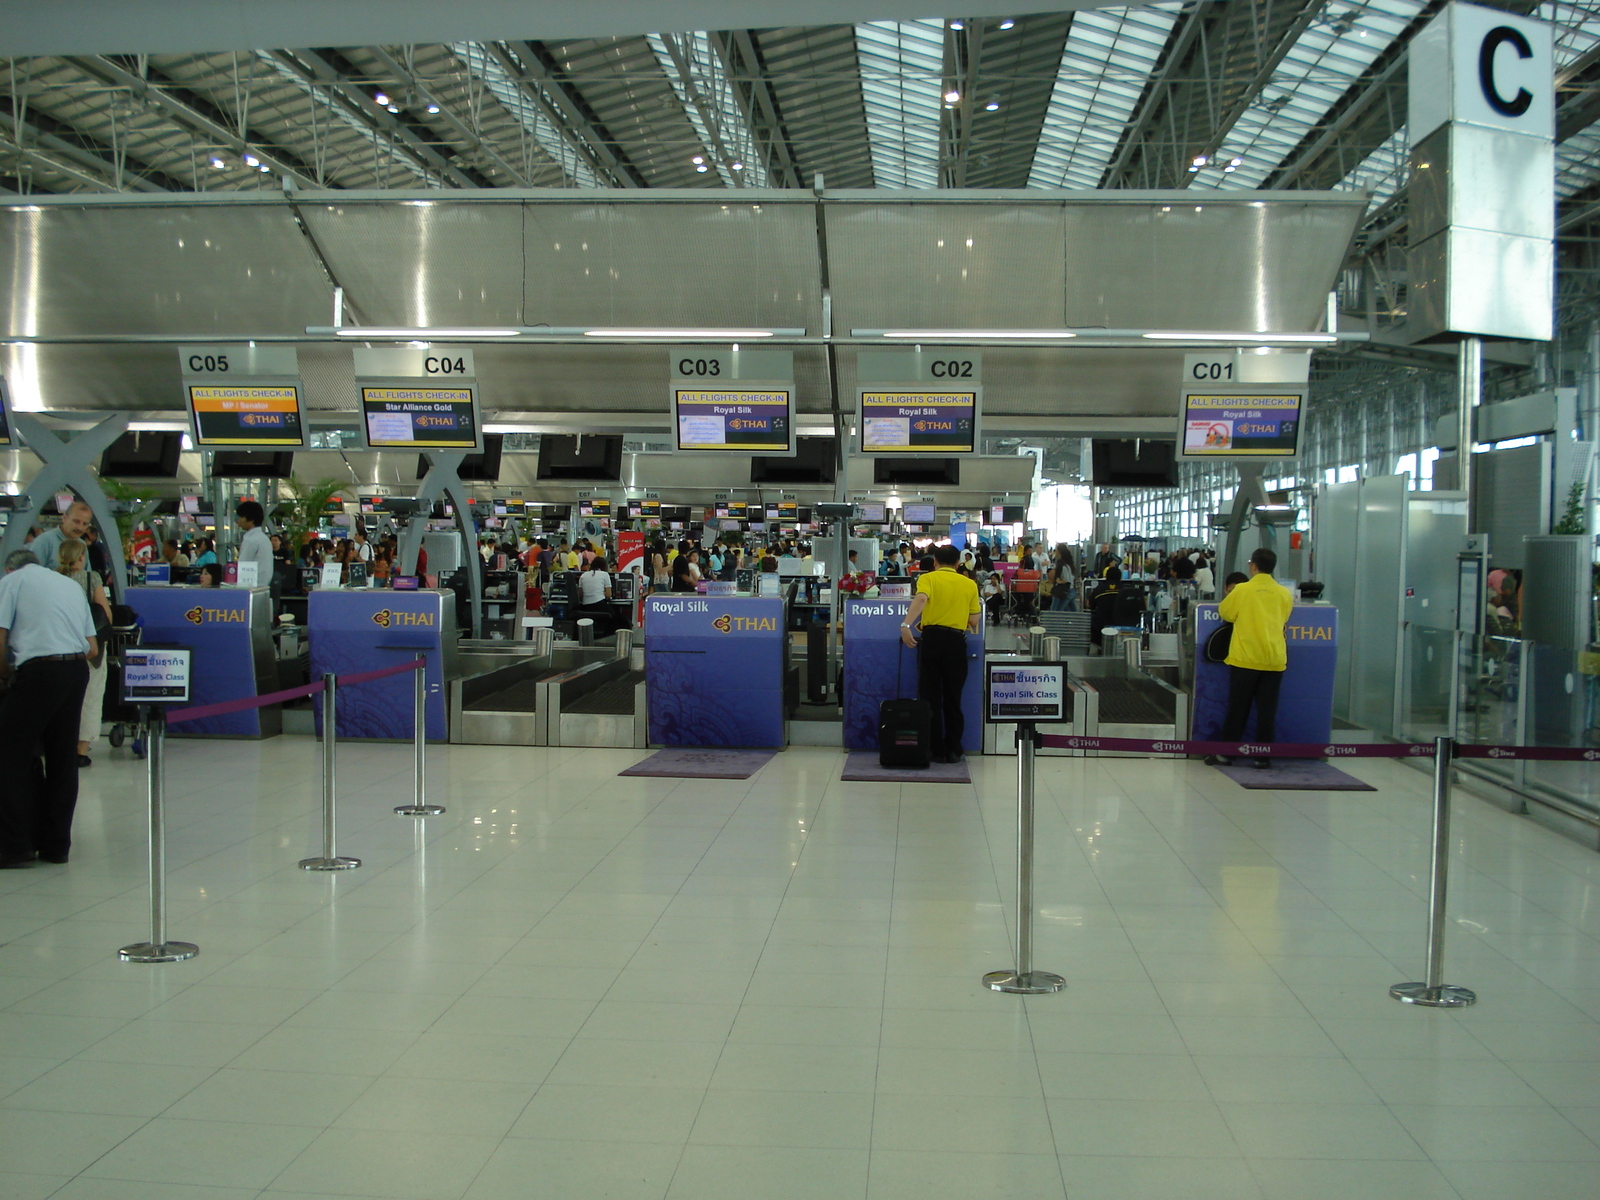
[{"x": 905, "y": 734}]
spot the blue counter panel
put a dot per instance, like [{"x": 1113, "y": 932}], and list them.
[
  {"x": 1305, "y": 698},
  {"x": 714, "y": 670},
  {"x": 878, "y": 666},
  {"x": 365, "y": 629},
  {"x": 216, "y": 623}
]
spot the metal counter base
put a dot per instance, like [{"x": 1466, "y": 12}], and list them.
[{"x": 572, "y": 696}]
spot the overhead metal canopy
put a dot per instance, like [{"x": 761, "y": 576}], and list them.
[{"x": 241, "y": 267}]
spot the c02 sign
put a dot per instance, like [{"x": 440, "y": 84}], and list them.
[
  {"x": 951, "y": 368},
  {"x": 208, "y": 364},
  {"x": 699, "y": 367}
]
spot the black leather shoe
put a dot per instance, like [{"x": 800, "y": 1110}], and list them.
[
  {"x": 84, "y": 761},
  {"x": 12, "y": 864},
  {"x": 955, "y": 756},
  {"x": 1262, "y": 764},
  {"x": 1217, "y": 760},
  {"x": 58, "y": 859}
]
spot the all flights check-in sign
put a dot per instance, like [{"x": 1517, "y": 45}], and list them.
[
  {"x": 731, "y": 400},
  {"x": 916, "y": 401},
  {"x": 243, "y": 397},
  {"x": 419, "y": 399},
  {"x": 1255, "y": 422}
]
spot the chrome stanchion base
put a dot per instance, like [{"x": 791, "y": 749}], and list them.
[
  {"x": 1034, "y": 983},
  {"x": 419, "y": 810},
  {"x": 1445, "y": 996},
  {"x": 144, "y": 952},
  {"x": 329, "y": 864}
]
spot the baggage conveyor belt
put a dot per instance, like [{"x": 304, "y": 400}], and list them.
[
  {"x": 522, "y": 696},
  {"x": 614, "y": 699},
  {"x": 1134, "y": 701}
]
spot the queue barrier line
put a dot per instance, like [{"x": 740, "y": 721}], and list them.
[{"x": 159, "y": 949}]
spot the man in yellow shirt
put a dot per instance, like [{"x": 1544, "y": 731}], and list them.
[
  {"x": 947, "y": 605},
  {"x": 1258, "y": 609}
]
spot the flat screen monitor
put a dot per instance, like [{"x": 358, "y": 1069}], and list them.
[
  {"x": 145, "y": 454},
  {"x": 557, "y": 512},
  {"x": 919, "y": 514},
  {"x": 712, "y": 420},
  {"x": 1134, "y": 463},
  {"x": 246, "y": 415},
  {"x": 421, "y": 418},
  {"x": 736, "y": 509},
  {"x": 190, "y": 505},
  {"x": 758, "y": 526},
  {"x": 871, "y": 513},
  {"x": 594, "y": 507},
  {"x": 587, "y": 456},
  {"x": 918, "y": 421},
  {"x": 1258, "y": 422},
  {"x": 815, "y": 461},
  {"x": 245, "y": 464},
  {"x": 917, "y": 472}
]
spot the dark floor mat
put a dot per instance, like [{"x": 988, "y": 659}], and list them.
[
  {"x": 1296, "y": 775},
  {"x": 687, "y": 762}
]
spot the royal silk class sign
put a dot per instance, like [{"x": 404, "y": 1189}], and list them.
[
  {"x": 1026, "y": 692},
  {"x": 728, "y": 400}
]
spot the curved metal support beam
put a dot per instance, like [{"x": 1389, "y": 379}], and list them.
[{"x": 443, "y": 481}]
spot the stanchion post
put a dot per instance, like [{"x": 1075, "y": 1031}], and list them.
[
  {"x": 1434, "y": 992},
  {"x": 419, "y": 743},
  {"x": 1024, "y": 980},
  {"x": 157, "y": 949},
  {"x": 328, "y": 860}
]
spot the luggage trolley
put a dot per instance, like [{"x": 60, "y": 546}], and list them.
[{"x": 123, "y": 635}]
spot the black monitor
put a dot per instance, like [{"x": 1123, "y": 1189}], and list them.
[
  {"x": 252, "y": 464},
  {"x": 587, "y": 456},
  {"x": 918, "y": 471},
  {"x": 816, "y": 460},
  {"x": 475, "y": 468},
  {"x": 1134, "y": 463},
  {"x": 146, "y": 454}
]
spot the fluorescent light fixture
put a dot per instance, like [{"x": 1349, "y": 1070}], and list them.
[
  {"x": 939, "y": 335},
  {"x": 412, "y": 333},
  {"x": 158, "y": 427},
  {"x": 1249, "y": 339},
  {"x": 689, "y": 334},
  {"x": 493, "y": 427}
]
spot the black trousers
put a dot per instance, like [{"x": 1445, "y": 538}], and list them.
[
  {"x": 941, "y": 674},
  {"x": 1246, "y": 688},
  {"x": 39, "y": 719}
]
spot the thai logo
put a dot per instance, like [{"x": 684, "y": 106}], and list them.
[
  {"x": 195, "y": 615},
  {"x": 723, "y": 623},
  {"x": 1500, "y": 752},
  {"x": 1335, "y": 751},
  {"x": 1418, "y": 750},
  {"x": 199, "y": 615},
  {"x": 1174, "y": 747},
  {"x": 382, "y": 617}
]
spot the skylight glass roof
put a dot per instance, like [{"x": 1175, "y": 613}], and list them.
[
  {"x": 902, "y": 73},
  {"x": 1318, "y": 69},
  {"x": 530, "y": 116},
  {"x": 723, "y": 131},
  {"x": 1104, "y": 67}
]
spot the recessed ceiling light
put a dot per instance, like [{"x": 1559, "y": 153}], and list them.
[
  {"x": 217, "y": 164},
  {"x": 1238, "y": 162},
  {"x": 394, "y": 108},
  {"x": 1007, "y": 23},
  {"x": 698, "y": 159},
  {"x": 381, "y": 97},
  {"x": 738, "y": 166},
  {"x": 702, "y": 168},
  {"x": 992, "y": 106},
  {"x": 1200, "y": 160},
  {"x": 250, "y": 160},
  {"x": 958, "y": 24},
  {"x": 433, "y": 108},
  {"x": 952, "y": 97}
]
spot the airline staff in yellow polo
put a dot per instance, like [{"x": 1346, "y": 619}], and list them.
[
  {"x": 947, "y": 605},
  {"x": 1258, "y": 653}
]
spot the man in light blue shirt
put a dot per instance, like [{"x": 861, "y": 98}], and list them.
[
  {"x": 75, "y": 523},
  {"x": 255, "y": 546},
  {"x": 46, "y": 637}
]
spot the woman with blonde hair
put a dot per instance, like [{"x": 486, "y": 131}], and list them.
[{"x": 73, "y": 562}]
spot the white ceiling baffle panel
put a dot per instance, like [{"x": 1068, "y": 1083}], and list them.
[
  {"x": 1104, "y": 67},
  {"x": 902, "y": 73},
  {"x": 700, "y": 81},
  {"x": 1318, "y": 69}
]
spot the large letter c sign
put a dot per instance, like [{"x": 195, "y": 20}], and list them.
[{"x": 1492, "y": 41}]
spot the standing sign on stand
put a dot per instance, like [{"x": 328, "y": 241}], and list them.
[
  {"x": 419, "y": 399},
  {"x": 152, "y": 675},
  {"x": 733, "y": 401},
  {"x": 1025, "y": 692}
]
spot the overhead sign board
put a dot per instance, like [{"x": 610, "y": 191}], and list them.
[
  {"x": 243, "y": 396},
  {"x": 419, "y": 398},
  {"x": 1025, "y": 692},
  {"x": 155, "y": 676},
  {"x": 749, "y": 421},
  {"x": 914, "y": 421},
  {"x": 1262, "y": 422}
]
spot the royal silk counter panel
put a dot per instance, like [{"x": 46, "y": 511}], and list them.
[
  {"x": 714, "y": 670},
  {"x": 878, "y": 666},
  {"x": 1305, "y": 697},
  {"x": 366, "y": 629},
  {"x": 230, "y": 632}
]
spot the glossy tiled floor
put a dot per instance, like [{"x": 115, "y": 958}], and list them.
[{"x": 579, "y": 985}]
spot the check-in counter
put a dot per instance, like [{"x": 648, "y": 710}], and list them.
[
  {"x": 715, "y": 670},
  {"x": 366, "y": 629},
  {"x": 878, "y": 666},
  {"x": 1305, "y": 696},
  {"x": 230, "y": 632}
]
